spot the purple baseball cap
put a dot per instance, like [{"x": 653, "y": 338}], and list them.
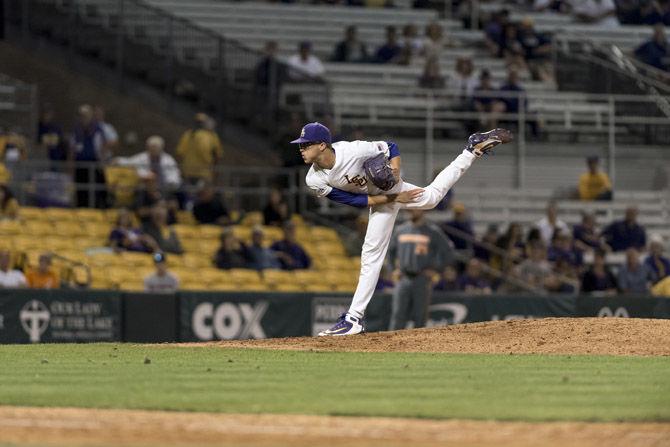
[{"x": 314, "y": 133}]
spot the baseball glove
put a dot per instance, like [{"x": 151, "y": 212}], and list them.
[
  {"x": 378, "y": 171},
  {"x": 482, "y": 143}
]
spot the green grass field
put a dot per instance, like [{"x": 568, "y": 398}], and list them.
[{"x": 503, "y": 387}]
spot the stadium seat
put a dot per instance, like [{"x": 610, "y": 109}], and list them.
[
  {"x": 278, "y": 277},
  {"x": 90, "y": 215},
  {"x": 252, "y": 218}
]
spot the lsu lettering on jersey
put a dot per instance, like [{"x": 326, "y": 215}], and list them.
[{"x": 348, "y": 174}]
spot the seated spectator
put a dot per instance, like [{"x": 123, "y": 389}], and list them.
[
  {"x": 9, "y": 206},
  {"x": 431, "y": 76},
  {"x": 13, "y": 148},
  {"x": 585, "y": 234},
  {"x": 597, "y": 12},
  {"x": 494, "y": 32},
  {"x": 434, "y": 41},
  {"x": 304, "y": 66},
  {"x": 662, "y": 288},
  {"x": 550, "y": 224},
  {"x": 10, "y": 278},
  {"x": 353, "y": 240},
  {"x": 162, "y": 280},
  {"x": 111, "y": 135},
  {"x": 260, "y": 256},
  {"x": 490, "y": 239},
  {"x": 536, "y": 269},
  {"x": 658, "y": 264},
  {"x": 390, "y": 51},
  {"x": 598, "y": 279},
  {"x": 275, "y": 212},
  {"x": 594, "y": 184},
  {"x": 634, "y": 277},
  {"x": 350, "y": 49},
  {"x": 487, "y": 102},
  {"x": 50, "y": 136},
  {"x": 562, "y": 249},
  {"x": 561, "y": 6},
  {"x": 155, "y": 164},
  {"x": 160, "y": 230},
  {"x": 125, "y": 236},
  {"x": 464, "y": 82},
  {"x": 232, "y": 254},
  {"x": 655, "y": 51},
  {"x": 626, "y": 233},
  {"x": 148, "y": 196},
  {"x": 563, "y": 278},
  {"x": 43, "y": 277},
  {"x": 472, "y": 280},
  {"x": 209, "y": 207},
  {"x": 448, "y": 281},
  {"x": 512, "y": 49},
  {"x": 512, "y": 244},
  {"x": 411, "y": 45},
  {"x": 537, "y": 51},
  {"x": 291, "y": 255},
  {"x": 460, "y": 222},
  {"x": 514, "y": 88}
]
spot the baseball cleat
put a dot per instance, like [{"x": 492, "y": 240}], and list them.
[
  {"x": 346, "y": 325},
  {"x": 481, "y": 143}
]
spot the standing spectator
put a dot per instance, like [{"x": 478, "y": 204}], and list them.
[
  {"x": 656, "y": 50},
  {"x": 585, "y": 234},
  {"x": 50, "y": 136},
  {"x": 88, "y": 145},
  {"x": 599, "y": 278},
  {"x": 161, "y": 232},
  {"x": 260, "y": 256},
  {"x": 43, "y": 277},
  {"x": 9, "y": 206},
  {"x": 550, "y": 224},
  {"x": 269, "y": 71},
  {"x": 536, "y": 269},
  {"x": 390, "y": 51},
  {"x": 418, "y": 251},
  {"x": 472, "y": 281},
  {"x": 494, "y": 32},
  {"x": 10, "y": 278},
  {"x": 199, "y": 150},
  {"x": 209, "y": 207},
  {"x": 111, "y": 135},
  {"x": 626, "y": 233},
  {"x": 350, "y": 49},
  {"x": 275, "y": 212},
  {"x": 156, "y": 164},
  {"x": 431, "y": 76},
  {"x": 464, "y": 82},
  {"x": 232, "y": 253},
  {"x": 461, "y": 222},
  {"x": 597, "y": 12},
  {"x": 658, "y": 264},
  {"x": 162, "y": 280},
  {"x": 304, "y": 66},
  {"x": 634, "y": 277},
  {"x": 125, "y": 236},
  {"x": 353, "y": 240},
  {"x": 290, "y": 253},
  {"x": 594, "y": 184}
]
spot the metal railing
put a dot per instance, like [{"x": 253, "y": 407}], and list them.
[{"x": 18, "y": 106}]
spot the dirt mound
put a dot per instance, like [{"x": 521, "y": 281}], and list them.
[{"x": 613, "y": 336}]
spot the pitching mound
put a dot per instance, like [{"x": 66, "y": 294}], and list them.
[{"x": 613, "y": 336}]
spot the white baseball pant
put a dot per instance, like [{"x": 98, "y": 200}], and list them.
[{"x": 382, "y": 220}]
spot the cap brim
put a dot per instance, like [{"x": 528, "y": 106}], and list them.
[{"x": 300, "y": 140}]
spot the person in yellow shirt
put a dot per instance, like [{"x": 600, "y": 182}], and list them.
[
  {"x": 595, "y": 184},
  {"x": 9, "y": 207},
  {"x": 43, "y": 277},
  {"x": 662, "y": 288},
  {"x": 198, "y": 151}
]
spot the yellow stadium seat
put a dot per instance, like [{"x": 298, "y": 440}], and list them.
[
  {"x": 37, "y": 228},
  {"x": 122, "y": 182},
  {"x": 186, "y": 217},
  {"x": 33, "y": 213},
  {"x": 321, "y": 234},
  {"x": 252, "y": 218},
  {"x": 287, "y": 287},
  {"x": 136, "y": 259},
  {"x": 106, "y": 259},
  {"x": 253, "y": 287},
  {"x": 307, "y": 277},
  {"x": 213, "y": 275},
  {"x": 322, "y": 288},
  {"x": 243, "y": 233},
  {"x": 57, "y": 243},
  {"x": 223, "y": 286},
  {"x": 245, "y": 276},
  {"x": 195, "y": 260},
  {"x": 90, "y": 215},
  {"x": 84, "y": 243},
  {"x": 186, "y": 231},
  {"x": 209, "y": 232},
  {"x": 337, "y": 262},
  {"x": 329, "y": 249},
  {"x": 278, "y": 277},
  {"x": 10, "y": 227},
  {"x": 297, "y": 219},
  {"x": 69, "y": 229},
  {"x": 27, "y": 242},
  {"x": 61, "y": 214}
]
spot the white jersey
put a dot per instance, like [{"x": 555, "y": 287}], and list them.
[{"x": 347, "y": 174}]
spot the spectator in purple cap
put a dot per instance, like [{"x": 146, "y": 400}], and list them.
[{"x": 304, "y": 65}]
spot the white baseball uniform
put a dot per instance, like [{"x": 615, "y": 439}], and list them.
[{"x": 348, "y": 175}]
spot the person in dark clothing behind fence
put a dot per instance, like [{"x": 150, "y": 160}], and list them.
[
  {"x": 419, "y": 251},
  {"x": 87, "y": 144}
]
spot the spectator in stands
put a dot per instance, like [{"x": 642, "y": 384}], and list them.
[
  {"x": 512, "y": 87},
  {"x": 232, "y": 253},
  {"x": 209, "y": 207},
  {"x": 594, "y": 184},
  {"x": 50, "y": 135},
  {"x": 464, "y": 82},
  {"x": 156, "y": 164},
  {"x": 390, "y": 51},
  {"x": 655, "y": 51},
  {"x": 13, "y": 148},
  {"x": 634, "y": 277},
  {"x": 160, "y": 231},
  {"x": 563, "y": 278},
  {"x": 537, "y": 51},
  {"x": 275, "y": 212},
  {"x": 431, "y": 76},
  {"x": 482, "y": 251},
  {"x": 149, "y": 195},
  {"x": 43, "y": 277},
  {"x": 512, "y": 49},
  {"x": 597, "y": 12},
  {"x": 10, "y": 278},
  {"x": 350, "y": 49},
  {"x": 88, "y": 145},
  {"x": 550, "y": 223},
  {"x": 269, "y": 71},
  {"x": 448, "y": 281},
  {"x": 512, "y": 244},
  {"x": 494, "y": 32},
  {"x": 9, "y": 206},
  {"x": 486, "y": 102},
  {"x": 290, "y": 253},
  {"x": 353, "y": 240},
  {"x": 461, "y": 222},
  {"x": 304, "y": 66},
  {"x": 411, "y": 45},
  {"x": 626, "y": 233},
  {"x": 162, "y": 280},
  {"x": 125, "y": 236},
  {"x": 198, "y": 152},
  {"x": 586, "y": 236},
  {"x": 260, "y": 256},
  {"x": 535, "y": 270},
  {"x": 472, "y": 280},
  {"x": 599, "y": 279},
  {"x": 434, "y": 41},
  {"x": 658, "y": 264},
  {"x": 562, "y": 6},
  {"x": 111, "y": 135},
  {"x": 289, "y": 156},
  {"x": 562, "y": 249}
]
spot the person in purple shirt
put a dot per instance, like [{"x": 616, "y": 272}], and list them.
[
  {"x": 657, "y": 263},
  {"x": 472, "y": 281},
  {"x": 87, "y": 144},
  {"x": 585, "y": 235},
  {"x": 656, "y": 50},
  {"x": 50, "y": 136},
  {"x": 562, "y": 248},
  {"x": 290, "y": 253},
  {"x": 460, "y": 222},
  {"x": 626, "y": 233}
]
